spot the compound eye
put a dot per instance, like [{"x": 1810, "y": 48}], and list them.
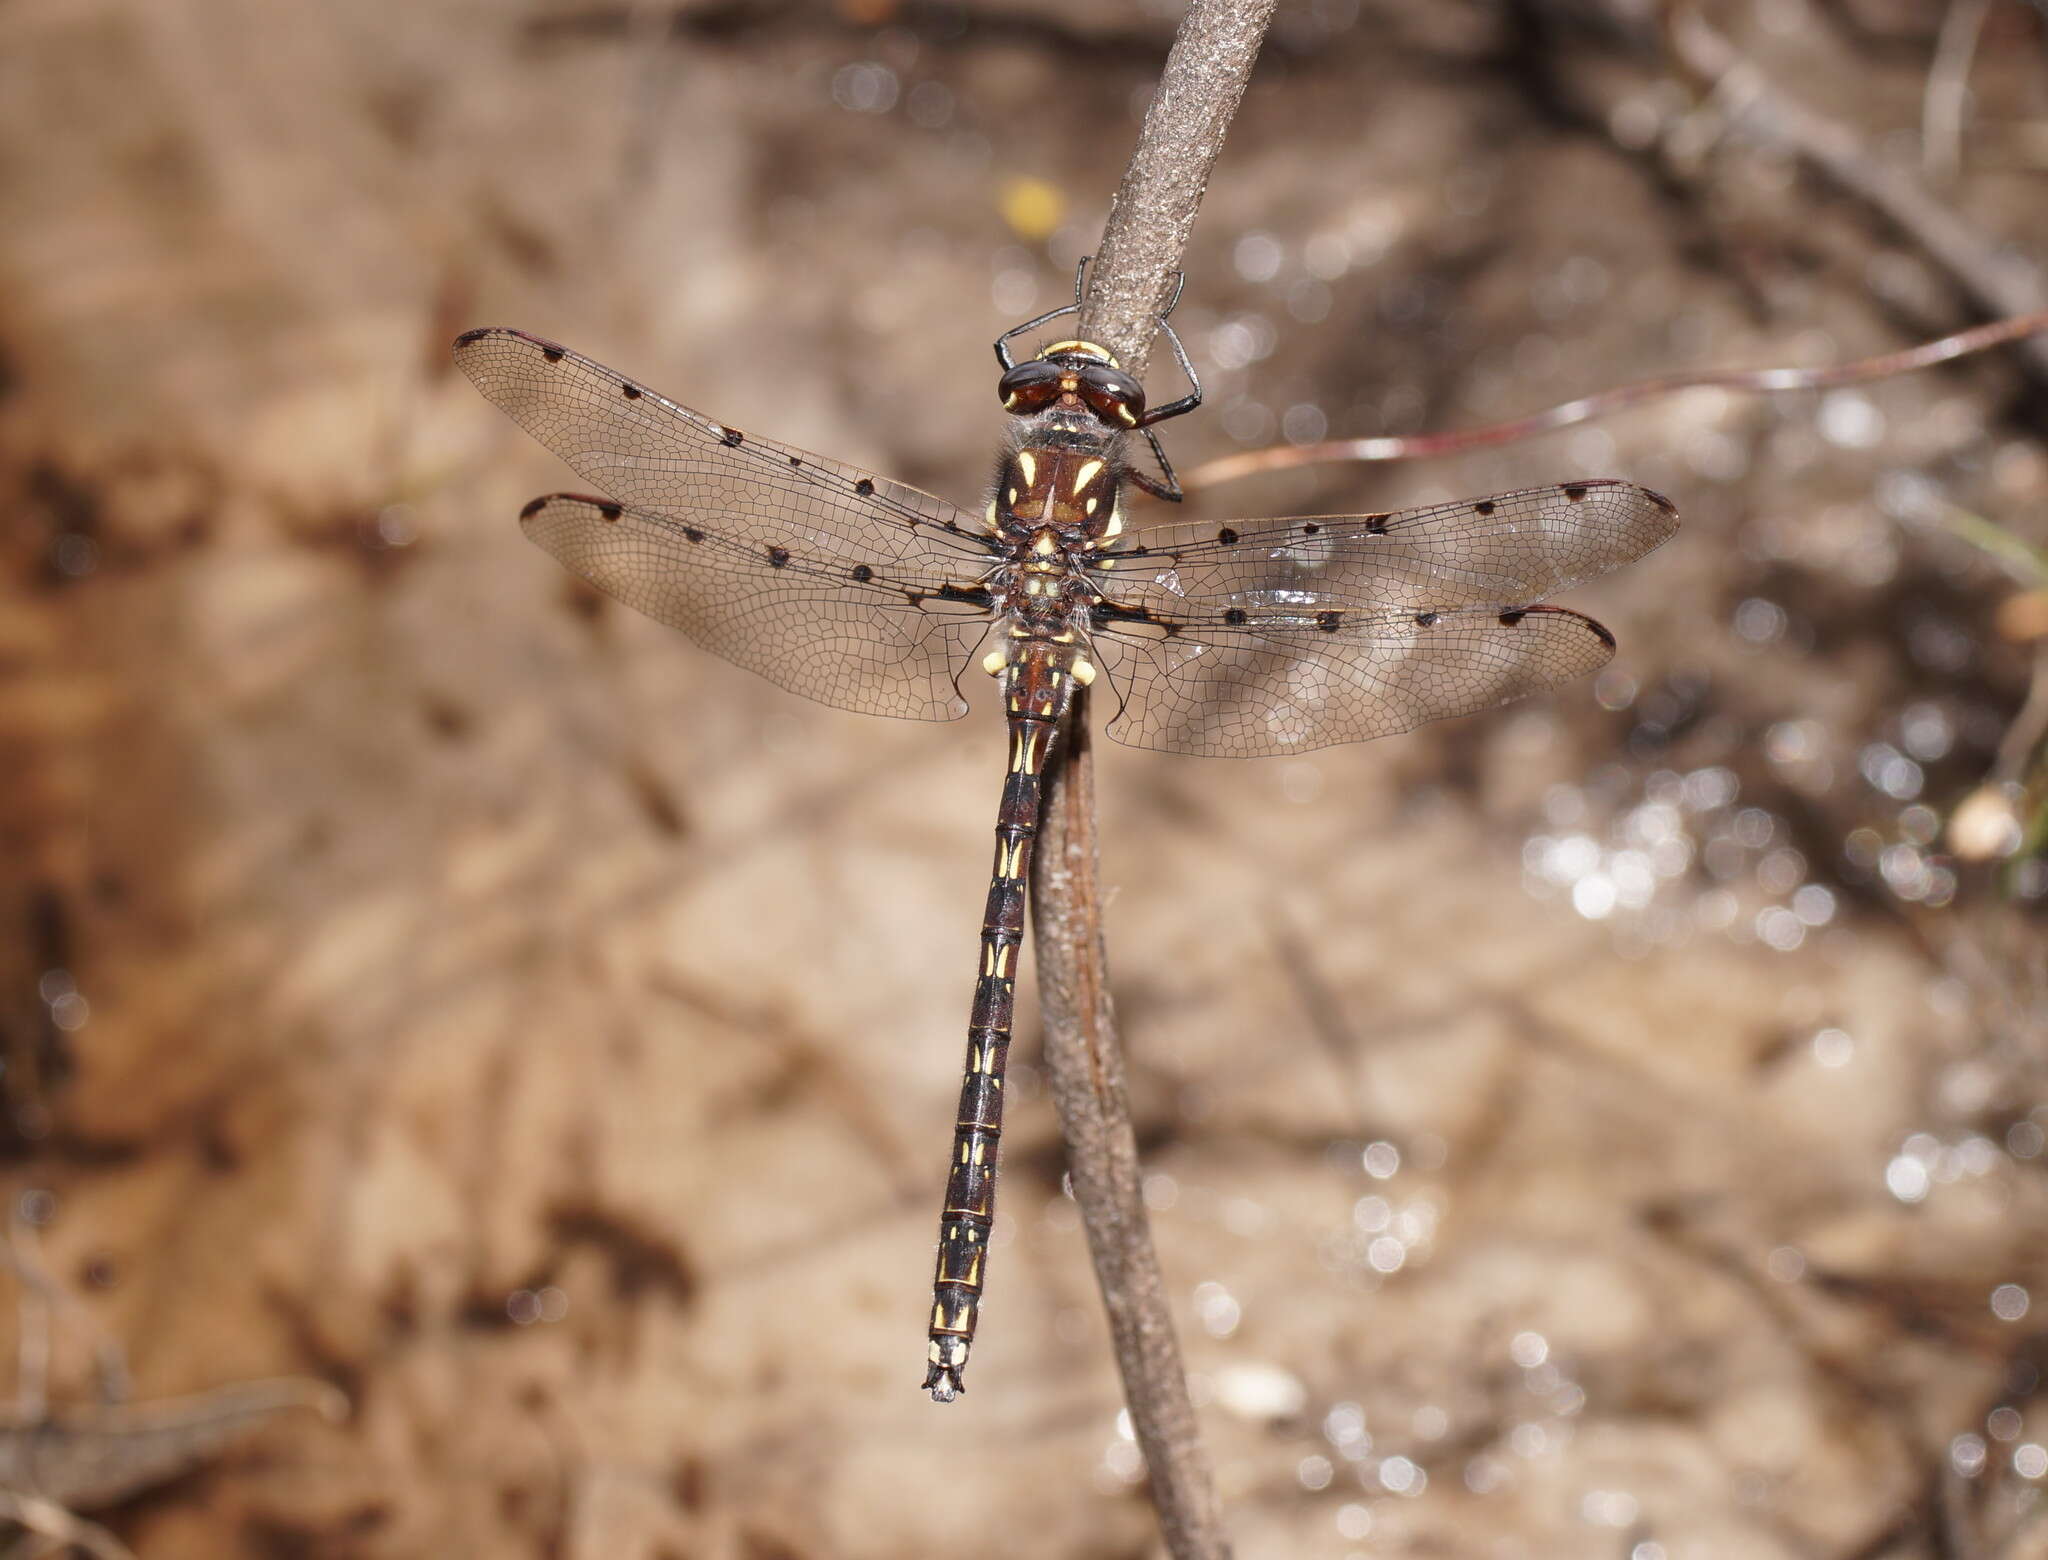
[
  {"x": 1113, "y": 395},
  {"x": 1030, "y": 387}
]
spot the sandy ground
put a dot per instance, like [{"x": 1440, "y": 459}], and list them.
[{"x": 1605, "y": 1128}]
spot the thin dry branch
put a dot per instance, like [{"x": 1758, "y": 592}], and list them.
[
  {"x": 1999, "y": 282},
  {"x": 1148, "y": 227},
  {"x": 1948, "y": 90},
  {"x": 1602, "y": 403}
]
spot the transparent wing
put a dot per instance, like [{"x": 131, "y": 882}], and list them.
[
  {"x": 1507, "y": 550},
  {"x": 873, "y": 638},
  {"x": 1280, "y": 636},
  {"x": 1268, "y": 686},
  {"x": 847, "y": 588}
]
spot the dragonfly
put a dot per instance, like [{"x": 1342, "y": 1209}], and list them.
[{"x": 1237, "y": 640}]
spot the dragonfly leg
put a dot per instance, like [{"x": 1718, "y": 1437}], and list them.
[
  {"x": 1166, "y": 485},
  {"x": 1193, "y": 398}
]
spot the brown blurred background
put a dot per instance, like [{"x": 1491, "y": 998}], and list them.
[{"x": 1610, "y": 1127}]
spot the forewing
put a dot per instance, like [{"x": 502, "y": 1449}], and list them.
[
  {"x": 867, "y": 637},
  {"x": 1505, "y": 551},
  {"x": 1308, "y": 675},
  {"x": 831, "y": 582}
]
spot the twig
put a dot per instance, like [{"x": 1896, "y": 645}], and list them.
[
  {"x": 1155, "y": 206},
  {"x": 1419, "y": 446},
  {"x": 2029, "y": 728},
  {"x": 1133, "y": 276},
  {"x": 93, "y": 1456},
  {"x": 42, "y": 1300},
  {"x": 1948, "y": 89},
  {"x": 2000, "y": 283},
  {"x": 46, "y": 1519}
]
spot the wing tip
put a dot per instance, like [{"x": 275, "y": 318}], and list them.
[
  {"x": 470, "y": 338},
  {"x": 1582, "y": 484},
  {"x": 610, "y": 509},
  {"x": 1514, "y": 615}
]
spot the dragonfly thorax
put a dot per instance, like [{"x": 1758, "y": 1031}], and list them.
[{"x": 1063, "y": 484}]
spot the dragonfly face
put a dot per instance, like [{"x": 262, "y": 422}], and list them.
[
  {"x": 1074, "y": 374},
  {"x": 1236, "y": 640}
]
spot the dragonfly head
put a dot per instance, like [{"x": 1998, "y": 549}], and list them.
[{"x": 1073, "y": 375}]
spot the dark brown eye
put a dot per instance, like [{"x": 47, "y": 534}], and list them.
[
  {"x": 1112, "y": 395},
  {"x": 1030, "y": 387}
]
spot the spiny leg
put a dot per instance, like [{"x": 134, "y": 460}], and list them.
[
  {"x": 1193, "y": 398},
  {"x": 1003, "y": 341}
]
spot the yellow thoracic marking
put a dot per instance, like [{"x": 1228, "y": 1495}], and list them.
[
  {"x": 990, "y": 516},
  {"x": 1045, "y": 544},
  {"x": 1087, "y": 474},
  {"x": 1010, "y": 497},
  {"x": 1089, "y": 507},
  {"x": 1028, "y": 464},
  {"x": 1115, "y": 523},
  {"x": 994, "y": 662},
  {"x": 1084, "y": 673}
]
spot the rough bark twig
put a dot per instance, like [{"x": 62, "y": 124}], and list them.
[{"x": 1132, "y": 278}]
